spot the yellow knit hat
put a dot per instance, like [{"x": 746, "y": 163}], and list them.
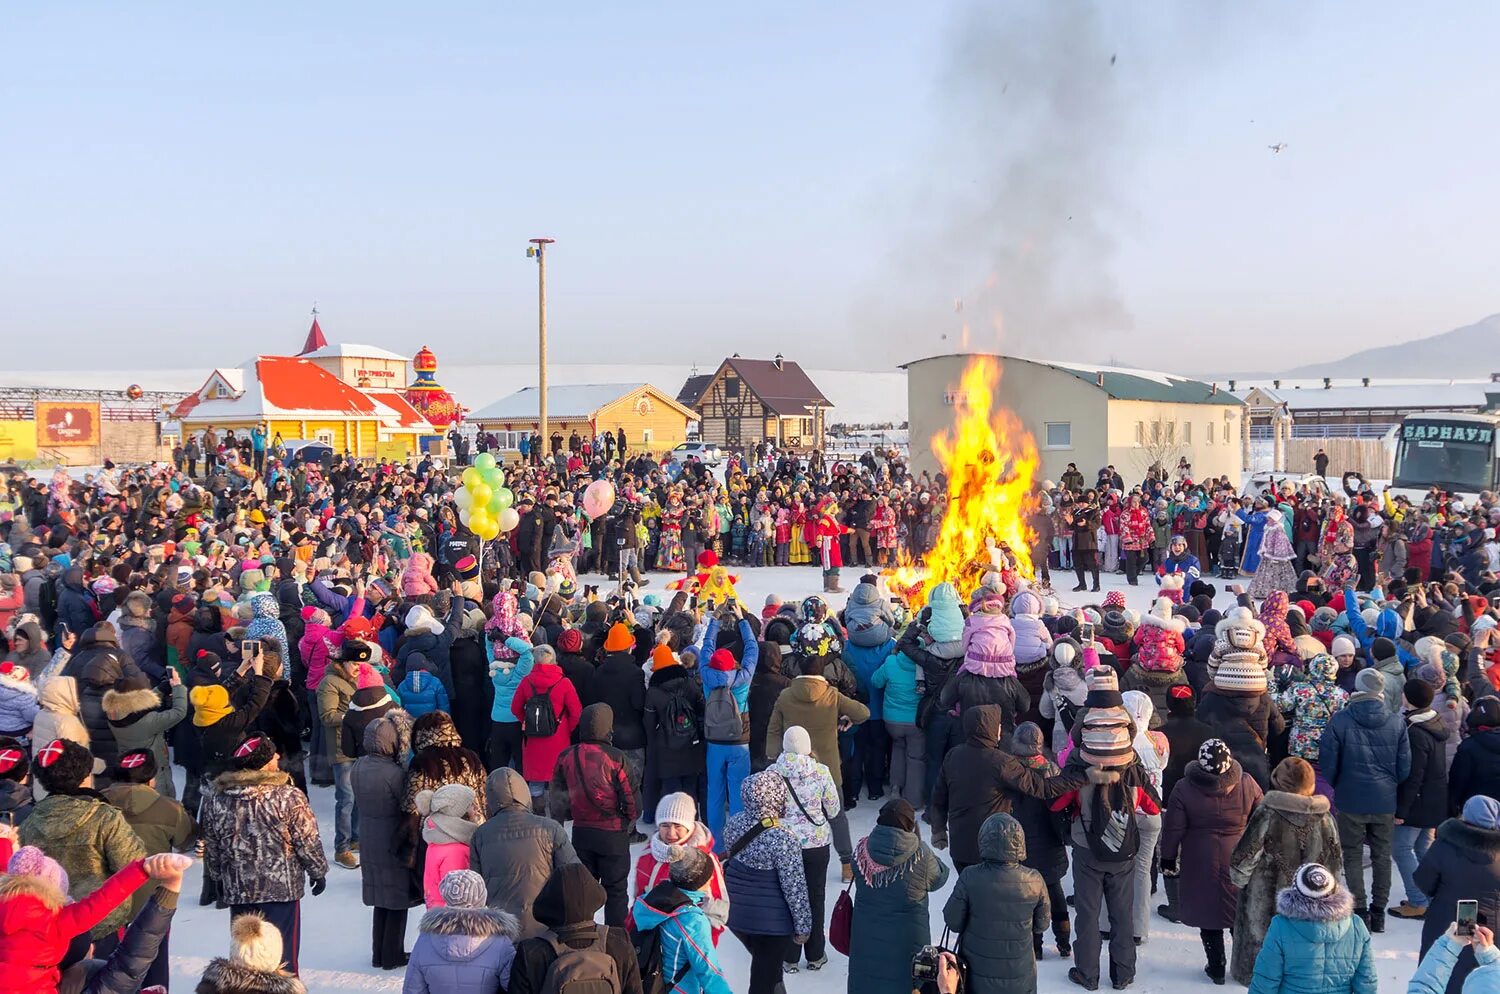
[{"x": 210, "y": 704}]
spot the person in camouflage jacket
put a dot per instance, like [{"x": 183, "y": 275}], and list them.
[{"x": 1310, "y": 703}]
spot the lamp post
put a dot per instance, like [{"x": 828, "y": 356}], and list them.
[{"x": 538, "y": 250}]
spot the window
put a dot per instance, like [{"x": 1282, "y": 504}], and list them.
[
  {"x": 806, "y": 426},
  {"x": 324, "y": 436},
  {"x": 732, "y": 429},
  {"x": 1210, "y": 433},
  {"x": 1140, "y": 433},
  {"x": 1226, "y": 433},
  {"x": 1156, "y": 433},
  {"x": 1187, "y": 433},
  {"x": 645, "y": 437},
  {"x": 1171, "y": 430},
  {"x": 731, "y": 387},
  {"x": 1059, "y": 434}
]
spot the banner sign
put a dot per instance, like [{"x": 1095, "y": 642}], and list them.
[{"x": 60, "y": 424}]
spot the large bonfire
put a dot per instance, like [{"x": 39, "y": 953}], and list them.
[{"x": 991, "y": 464}]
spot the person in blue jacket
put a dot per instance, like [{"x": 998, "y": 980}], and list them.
[
  {"x": 1387, "y": 625},
  {"x": 866, "y": 648},
  {"x": 421, "y": 692},
  {"x": 1180, "y": 560},
  {"x": 1316, "y": 944},
  {"x": 1436, "y": 968},
  {"x": 896, "y": 682},
  {"x": 674, "y": 907},
  {"x": 507, "y": 670},
  {"x": 1256, "y": 521},
  {"x": 728, "y": 747}
]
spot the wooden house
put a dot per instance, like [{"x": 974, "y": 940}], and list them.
[{"x": 747, "y": 401}]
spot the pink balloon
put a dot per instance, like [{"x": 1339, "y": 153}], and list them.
[{"x": 598, "y": 498}]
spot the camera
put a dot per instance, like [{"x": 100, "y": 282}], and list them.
[{"x": 924, "y": 969}]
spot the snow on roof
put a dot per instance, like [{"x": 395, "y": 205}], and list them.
[
  {"x": 1395, "y": 396},
  {"x": 1127, "y": 383},
  {"x": 354, "y": 351},
  {"x": 572, "y": 401},
  {"x": 401, "y": 413}
]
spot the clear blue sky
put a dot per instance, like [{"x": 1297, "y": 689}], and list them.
[{"x": 830, "y": 180}]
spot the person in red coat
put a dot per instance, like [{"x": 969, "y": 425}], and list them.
[
  {"x": 824, "y": 531},
  {"x": 539, "y": 752}
]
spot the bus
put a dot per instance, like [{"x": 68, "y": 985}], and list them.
[{"x": 1453, "y": 452}]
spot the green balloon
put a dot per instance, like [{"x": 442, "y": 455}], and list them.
[
  {"x": 493, "y": 478},
  {"x": 504, "y": 497},
  {"x": 484, "y": 461}
]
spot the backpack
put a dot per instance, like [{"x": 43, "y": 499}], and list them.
[
  {"x": 722, "y": 720},
  {"x": 648, "y": 955},
  {"x": 538, "y": 716},
  {"x": 46, "y": 604},
  {"x": 681, "y": 721},
  {"x": 590, "y": 970},
  {"x": 1114, "y": 835}
]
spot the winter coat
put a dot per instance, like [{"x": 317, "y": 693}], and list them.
[
  {"x": 1159, "y": 644},
  {"x": 58, "y": 717},
  {"x": 421, "y": 692},
  {"x": 894, "y": 871},
  {"x": 98, "y": 666},
  {"x": 688, "y": 962},
  {"x": 812, "y": 799},
  {"x": 439, "y": 757},
  {"x": 863, "y": 662},
  {"x": 387, "y": 869},
  {"x": 539, "y": 754},
  {"x": 1045, "y": 830},
  {"x": 896, "y": 680},
  {"x": 160, "y": 822},
  {"x": 651, "y": 868},
  {"x": 91, "y": 839},
  {"x": 968, "y": 690},
  {"x": 1205, "y": 817},
  {"x": 1315, "y": 946},
  {"x": 591, "y": 786},
  {"x": 970, "y": 786},
  {"x": 1463, "y": 863},
  {"x": 139, "y": 721},
  {"x": 1063, "y": 694},
  {"x": 996, "y": 907},
  {"x": 1365, "y": 754},
  {"x": 224, "y": 976},
  {"x": 1155, "y": 684},
  {"x": 617, "y": 682},
  {"x": 990, "y": 643},
  {"x": 665, "y": 683},
  {"x": 817, "y": 706},
  {"x": 76, "y": 606},
  {"x": 434, "y": 646},
  {"x": 1185, "y": 736},
  {"x": 765, "y": 688},
  {"x": 473, "y": 694},
  {"x": 218, "y": 741},
  {"x": 260, "y": 837},
  {"x": 515, "y": 851},
  {"x": 1033, "y": 641},
  {"x": 506, "y": 677},
  {"x": 137, "y": 637},
  {"x": 1284, "y": 832},
  {"x": 1310, "y": 704},
  {"x": 868, "y": 618},
  {"x": 15, "y": 801},
  {"x": 766, "y": 885},
  {"x": 1475, "y": 769},
  {"x": 1247, "y": 722},
  {"x": 566, "y": 906},
  {"x": 462, "y": 951},
  {"x": 1422, "y": 798},
  {"x": 314, "y": 646},
  {"x": 367, "y": 706},
  {"x": 335, "y": 691},
  {"x": 1434, "y": 973},
  {"x": 37, "y": 924}
]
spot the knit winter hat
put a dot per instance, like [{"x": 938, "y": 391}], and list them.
[
  {"x": 1343, "y": 645},
  {"x": 662, "y": 657},
  {"x": 1027, "y": 739},
  {"x": 618, "y": 639},
  {"x": 444, "y": 814},
  {"x": 692, "y": 870},
  {"x": 1479, "y": 811},
  {"x": 253, "y": 753},
  {"x": 1382, "y": 648},
  {"x": 29, "y": 861},
  {"x": 570, "y": 641},
  {"x": 1242, "y": 675},
  {"x": 1213, "y": 756},
  {"x": 1115, "y": 599},
  {"x": 63, "y": 765},
  {"x": 1066, "y": 653},
  {"x": 1485, "y": 713},
  {"x": 135, "y": 766},
  {"x": 796, "y": 741},
  {"x": 463, "y": 889},
  {"x": 14, "y": 763},
  {"x": 254, "y": 944},
  {"x": 1106, "y": 734},
  {"x": 1418, "y": 693},
  {"x": 677, "y": 809},
  {"x": 1294, "y": 775},
  {"x": 1314, "y": 880},
  {"x": 420, "y": 618},
  {"x": 1104, "y": 689},
  {"x": 368, "y": 676},
  {"x": 1370, "y": 681}
]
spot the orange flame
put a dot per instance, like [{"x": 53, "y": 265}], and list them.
[{"x": 991, "y": 463}]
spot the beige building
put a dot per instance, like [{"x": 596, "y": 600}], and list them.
[
  {"x": 1092, "y": 416},
  {"x": 651, "y": 420}
]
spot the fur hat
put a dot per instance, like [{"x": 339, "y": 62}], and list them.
[
  {"x": 1240, "y": 628},
  {"x": 253, "y": 753},
  {"x": 1161, "y": 616},
  {"x": 797, "y": 741},
  {"x": 1294, "y": 775},
  {"x": 29, "y": 861},
  {"x": 1370, "y": 681},
  {"x": 1315, "y": 880},
  {"x": 677, "y": 809},
  {"x": 692, "y": 870},
  {"x": 356, "y": 651},
  {"x": 1213, "y": 756},
  {"x": 63, "y": 765},
  {"x": 254, "y": 944},
  {"x": 463, "y": 889}
]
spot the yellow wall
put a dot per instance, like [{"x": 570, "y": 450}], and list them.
[
  {"x": 1221, "y": 457},
  {"x": 668, "y": 425}
]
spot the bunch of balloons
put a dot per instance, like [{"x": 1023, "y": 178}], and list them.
[{"x": 484, "y": 502}]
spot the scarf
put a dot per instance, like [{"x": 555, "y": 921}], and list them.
[{"x": 670, "y": 852}]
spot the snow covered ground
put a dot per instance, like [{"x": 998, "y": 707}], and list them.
[{"x": 336, "y": 926}]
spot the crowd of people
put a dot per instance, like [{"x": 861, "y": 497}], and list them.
[{"x": 496, "y": 733}]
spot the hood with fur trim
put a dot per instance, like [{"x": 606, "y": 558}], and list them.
[
  {"x": 1338, "y": 906},
  {"x": 226, "y": 977},
  {"x": 121, "y": 704},
  {"x": 21, "y": 896},
  {"x": 476, "y": 923}
]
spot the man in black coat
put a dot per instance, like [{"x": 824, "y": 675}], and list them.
[
  {"x": 1476, "y": 765},
  {"x": 765, "y": 687},
  {"x": 970, "y": 787}
]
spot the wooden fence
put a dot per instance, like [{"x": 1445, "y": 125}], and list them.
[{"x": 1370, "y": 457}]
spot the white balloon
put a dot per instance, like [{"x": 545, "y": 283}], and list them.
[
  {"x": 463, "y": 498},
  {"x": 509, "y": 519},
  {"x": 463, "y": 517}
]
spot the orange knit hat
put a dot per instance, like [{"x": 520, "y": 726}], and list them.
[
  {"x": 619, "y": 639},
  {"x": 662, "y": 657}
]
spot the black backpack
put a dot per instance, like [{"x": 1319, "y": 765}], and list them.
[
  {"x": 539, "y": 717},
  {"x": 647, "y": 945},
  {"x": 680, "y": 719},
  {"x": 1114, "y": 835}
]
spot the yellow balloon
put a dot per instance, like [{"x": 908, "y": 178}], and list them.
[
  {"x": 490, "y": 530},
  {"x": 478, "y": 518},
  {"x": 480, "y": 494}
]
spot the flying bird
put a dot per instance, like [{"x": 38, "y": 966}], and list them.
[{"x": 1276, "y": 149}]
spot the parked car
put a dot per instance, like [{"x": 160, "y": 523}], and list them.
[
  {"x": 705, "y": 453},
  {"x": 1256, "y": 483}
]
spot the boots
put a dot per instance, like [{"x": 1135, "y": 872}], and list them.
[
  {"x": 1064, "y": 934},
  {"x": 1376, "y": 920},
  {"x": 831, "y": 582},
  {"x": 1213, "y": 949},
  {"x": 1036, "y": 945}
]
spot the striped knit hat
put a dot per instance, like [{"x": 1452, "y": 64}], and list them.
[
  {"x": 1238, "y": 673},
  {"x": 1315, "y": 880},
  {"x": 1106, "y": 734}
]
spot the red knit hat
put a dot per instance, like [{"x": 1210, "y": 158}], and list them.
[
  {"x": 722, "y": 659},
  {"x": 570, "y": 641}
]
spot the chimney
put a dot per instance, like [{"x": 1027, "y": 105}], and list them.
[
  {"x": 1214, "y": 391},
  {"x": 1365, "y": 381},
  {"x": 1099, "y": 379},
  {"x": 1275, "y": 384},
  {"x": 1231, "y": 386},
  {"x": 778, "y": 362},
  {"x": 1495, "y": 377},
  {"x": 1327, "y": 383}
]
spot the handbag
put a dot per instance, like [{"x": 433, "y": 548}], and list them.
[{"x": 841, "y": 922}]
